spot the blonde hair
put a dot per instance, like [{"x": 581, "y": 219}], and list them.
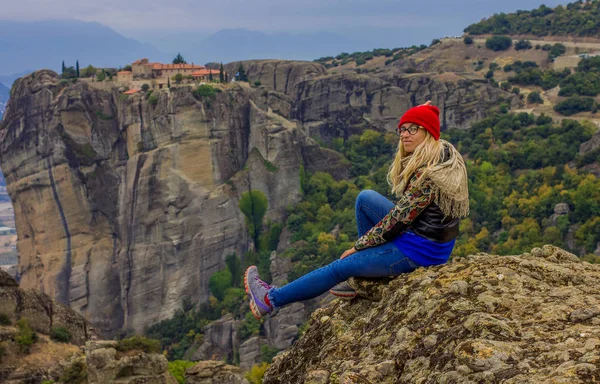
[{"x": 429, "y": 152}]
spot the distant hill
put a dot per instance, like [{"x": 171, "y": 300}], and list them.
[
  {"x": 574, "y": 19},
  {"x": 241, "y": 44},
  {"x": 45, "y": 44}
]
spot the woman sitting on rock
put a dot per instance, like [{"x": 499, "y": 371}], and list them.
[{"x": 430, "y": 179}]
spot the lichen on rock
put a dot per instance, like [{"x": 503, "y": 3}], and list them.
[{"x": 480, "y": 319}]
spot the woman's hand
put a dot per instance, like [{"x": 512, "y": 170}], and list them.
[
  {"x": 428, "y": 102},
  {"x": 348, "y": 252}
]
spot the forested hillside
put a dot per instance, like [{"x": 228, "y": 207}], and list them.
[{"x": 577, "y": 19}]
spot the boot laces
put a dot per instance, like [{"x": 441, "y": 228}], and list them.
[{"x": 262, "y": 283}]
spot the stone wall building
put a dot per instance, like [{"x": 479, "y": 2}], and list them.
[{"x": 158, "y": 75}]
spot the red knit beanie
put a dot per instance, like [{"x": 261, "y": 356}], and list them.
[{"x": 427, "y": 116}]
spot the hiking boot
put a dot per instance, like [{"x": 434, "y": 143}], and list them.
[
  {"x": 257, "y": 290},
  {"x": 343, "y": 290}
]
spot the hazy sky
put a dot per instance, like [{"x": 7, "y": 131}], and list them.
[
  {"x": 165, "y": 22},
  {"x": 264, "y": 15}
]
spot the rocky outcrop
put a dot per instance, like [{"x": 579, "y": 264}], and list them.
[
  {"x": 125, "y": 207},
  {"x": 279, "y": 75},
  {"x": 105, "y": 365},
  {"x": 250, "y": 353},
  {"x": 214, "y": 372},
  {"x": 41, "y": 311},
  {"x": 530, "y": 318},
  {"x": 219, "y": 341}
]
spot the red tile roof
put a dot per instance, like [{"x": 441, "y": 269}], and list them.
[
  {"x": 159, "y": 66},
  {"x": 131, "y": 92},
  {"x": 204, "y": 72}
]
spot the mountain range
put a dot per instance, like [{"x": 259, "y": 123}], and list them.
[
  {"x": 32, "y": 45},
  {"x": 46, "y": 43}
]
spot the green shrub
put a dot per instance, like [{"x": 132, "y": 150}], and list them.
[
  {"x": 254, "y": 205},
  {"x": 557, "y": 50},
  {"x": 522, "y": 44},
  {"x": 4, "y": 319},
  {"x": 249, "y": 327},
  {"x": 139, "y": 343},
  {"x": 76, "y": 373},
  {"x": 534, "y": 98},
  {"x": 257, "y": 373},
  {"x": 468, "y": 40},
  {"x": 25, "y": 336},
  {"x": 177, "y": 369},
  {"x": 152, "y": 100},
  {"x": 60, "y": 334},
  {"x": 145, "y": 87},
  {"x": 219, "y": 282},
  {"x": 258, "y": 83},
  {"x": 267, "y": 353},
  {"x": 498, "y": 43},
  {"x": 205, "y": 91},
  {"x": 573, "y": 105}
]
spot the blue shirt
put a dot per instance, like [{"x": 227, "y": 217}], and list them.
[{"x": 422, "y": 251}]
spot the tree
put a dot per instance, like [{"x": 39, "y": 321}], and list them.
[
  {"x": 77, "y": 68},
  {"x": 253, "y": 205},
  {"x": 101, "y": 75},
  {"x": 221, "y": 74},
  {"x": 210, "y": 76},
  {"x": 241, "y": 75},
  {"x": 219, "y": 282},
  {"x": 498, "y": 43},
  {"x": 145, "y": 87},
  {"x": 168, "y": 83},
  {"x": 179, "y": 59},
  {"x": 522, "y": 44},
  {"x": 63, "y": 68},
  {"x": 178, "y": 78},
  {"x": 468, "y": 40},
  {"x": 534, "y": 98}
]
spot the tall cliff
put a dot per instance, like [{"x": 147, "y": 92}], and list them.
[{"x": 124, "y": 207}]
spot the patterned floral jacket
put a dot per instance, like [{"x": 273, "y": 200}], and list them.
[{"x": 398, "y": 220}]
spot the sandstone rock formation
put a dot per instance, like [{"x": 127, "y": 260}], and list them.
[
  {"x": 214, "y": 372},
  {"x": 46, "y": 359},
  {"x": 105, "y": 365},
  {"x": 41, "y": 311},
  {"x": 124, "y": 208},
  {"x": 532, "y": 318}
]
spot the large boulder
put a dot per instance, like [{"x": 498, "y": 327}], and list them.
[
  {"x": 531, "y": 318},
  {"x": 214, "y": 372},
  {"x": 106, "y": 366}
]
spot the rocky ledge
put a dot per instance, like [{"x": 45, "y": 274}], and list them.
[{"x": 531, "y": 318}]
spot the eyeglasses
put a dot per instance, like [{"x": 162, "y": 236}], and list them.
[{"x": 412, "y": 129}]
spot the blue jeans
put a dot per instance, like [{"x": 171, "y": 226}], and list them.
[{"x": 379, "y": 261}]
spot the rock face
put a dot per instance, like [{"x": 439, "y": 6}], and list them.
[
  {"x": 250, "y": 353},
  {"x": 214, "y": 372},
  {"x": 124, "y": 208},
  {"x": 41, "y": 311},
  {"x": 531, "y": 318},
  {"x": 105, "y": 365},
  {"x": 219, "y": 340}
]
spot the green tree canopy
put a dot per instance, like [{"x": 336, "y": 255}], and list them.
[{"x": 179, "y": 59}]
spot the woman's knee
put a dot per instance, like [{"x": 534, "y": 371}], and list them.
[{"x": 365, "y": 196}]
